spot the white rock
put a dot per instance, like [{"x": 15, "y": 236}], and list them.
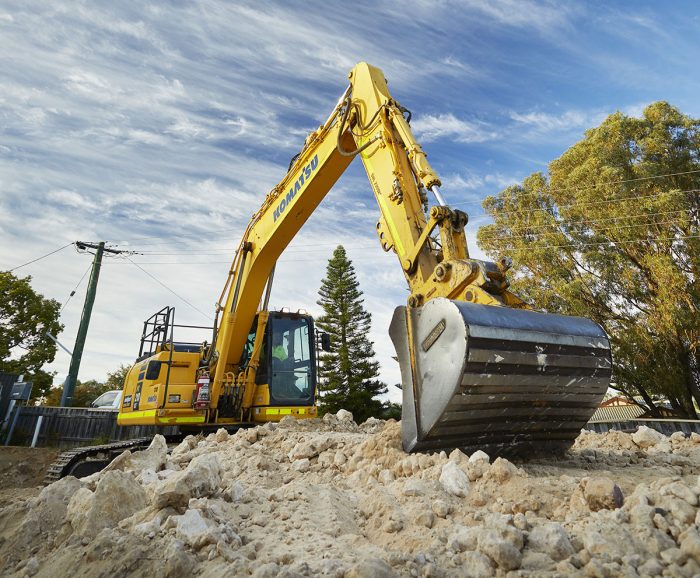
[
  {"x": 501, "y": 551},
  {"x": 454, "y": 480},
  {"x": 307, "y": 449},
  {"x": 339, "y": 459},
  {"x": 551, "y": 539},
  {"x": 200, "y": 478},
  {"x": 457, "y": 456},
  {"x": 371, "y": 567},
  {"x": 344, "y": 415},
  {"x": 536, "y": 561},
  {"x": 651, "y": 568},
  {"x": 441, "y": 508},
  {"x": 196, "y": 530},
  {"x": 48, "y": 511},
  {"x": 690, "y": 544},
  {"x": 302, "y": 465},
  {"x": 601, "y": 493},
  {"x": 477, "y": 565},
  {"x": 386, "y": 477},
  {"x": 32, "y": 566},
  {"x": 502, "y": 470},
  {"x": 221, "y": 435},
  {"x": 479, "y": 456},
  {"x": 118, "y": 496},
  {"x": 186, "y": 445},
  {"x": 680, "y": 490},
  {"x": 677, "y": 437},
  {"x": 152, "y": 458},
  {"x": 414, "y": 487},
  {"x": 646, "y": 437},
  {"x": 464, "y": 538}
]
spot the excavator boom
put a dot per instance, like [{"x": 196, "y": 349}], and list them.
[{"x": 479, "y": 369}]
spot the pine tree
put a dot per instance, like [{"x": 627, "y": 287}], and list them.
[{"x": 349, "y": 372}]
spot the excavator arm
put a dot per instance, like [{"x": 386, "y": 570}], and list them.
[
  {"x": 367, "y": 123},
  {"x": 431, "y": 247}
]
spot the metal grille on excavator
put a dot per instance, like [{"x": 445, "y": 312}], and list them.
[{"x": 509, "y": 382}]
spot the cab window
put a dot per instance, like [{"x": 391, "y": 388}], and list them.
[{"x": 292, "y": 370}]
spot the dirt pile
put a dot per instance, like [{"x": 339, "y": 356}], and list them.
[{"x": 331, "y": 498}]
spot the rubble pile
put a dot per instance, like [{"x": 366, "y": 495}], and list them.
[{"x": 333, "y": 498}]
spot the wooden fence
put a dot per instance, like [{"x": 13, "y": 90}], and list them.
[{"x": 74, "y": 426}]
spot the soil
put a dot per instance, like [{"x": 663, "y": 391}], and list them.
[{"x": 22, "y": 470}]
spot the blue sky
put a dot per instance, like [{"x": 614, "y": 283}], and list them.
[{"x": 161, "y": 126}]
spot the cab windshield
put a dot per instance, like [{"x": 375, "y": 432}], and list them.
[{"x": 292, "y": 376}]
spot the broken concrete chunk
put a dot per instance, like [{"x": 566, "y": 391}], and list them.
[
  {"x": 414, "y": 487},
  {"x": 502, "y": 470},
  {"x": 302, "y": 465},
  {"x": 477, "y": 565},
  {"x": 441, "y": 508},
  {"x": 479, "y": 456},
  {"x": 646, "y": 437},
  {"x": 372, "y": 567},
  {"x": 200, "y": 478},
  {"x": 196, "y": 530},
  {"x": 118, "y": 495},
  {"x": 601, "y": 493},
  {"x": 454, "y": 480},
  {"x": 221, "y": 435},
  {"x": 550, "y": 539},
  {"x": 344, "y": 415},
  {"x": 501, "y": 551}
]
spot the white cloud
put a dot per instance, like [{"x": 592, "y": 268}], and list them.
[
  {"x": 542, "y": 16},
  {"x": 447, "y": 126},
  {"x": 547, "y": 122}
]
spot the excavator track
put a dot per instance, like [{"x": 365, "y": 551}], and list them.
[
  {"x": 86, "y": 460},
  {"x": 83, "y": 461},
  {"x": 505, "y": 381}
]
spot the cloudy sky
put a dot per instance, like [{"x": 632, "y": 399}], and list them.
[{"x": 160, "y": 126}]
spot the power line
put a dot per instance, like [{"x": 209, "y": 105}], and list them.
[
  {"x": 609, "y": 242},
  {"x": 588, "y": 223},
  {"x": 589, "y": 187},
  {"x": 75, "y": 289},
  {"x": 168, "y": 288},
  {"x": 315, "y": 247},
  {"x": 591, "y": 203},
  {"x": 39, "y": 258}
]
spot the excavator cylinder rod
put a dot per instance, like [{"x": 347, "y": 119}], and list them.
[{"x": 506, "y": 381}]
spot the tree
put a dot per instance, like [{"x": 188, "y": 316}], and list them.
[
  {"x": 25, "y": 317},
  {"x": 115, "y": 379},
  {"x": 349, "y": 373},
  {"x": 611, "y": 233},
  {"x": 86, "y": 392}
]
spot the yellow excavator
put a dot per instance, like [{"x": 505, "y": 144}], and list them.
[{"x": 478, "y": 368}]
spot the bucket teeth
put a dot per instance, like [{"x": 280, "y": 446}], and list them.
[{"x": 501, "y": 380}]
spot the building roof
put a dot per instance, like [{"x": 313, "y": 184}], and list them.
[{"x": 617, "y": 413}]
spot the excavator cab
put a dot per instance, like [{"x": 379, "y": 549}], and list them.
[{"x": 286, "y": 375}]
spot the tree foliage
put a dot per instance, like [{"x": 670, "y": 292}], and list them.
[
  {"x": 86, "y": 392},
  {"x": 115, "y": 379},
  {"x": 349, "y": 372},
  {"x": 611, "y": 233},
  {"x": 25, "y": 317}
]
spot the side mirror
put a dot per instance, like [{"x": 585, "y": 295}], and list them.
[{"x": 325, "y": 341}]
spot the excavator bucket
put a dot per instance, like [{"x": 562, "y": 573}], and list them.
[{"x": 506, "y": 381}]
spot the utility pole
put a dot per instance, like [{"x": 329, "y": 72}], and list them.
[{"x": 69, "y": 384}]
